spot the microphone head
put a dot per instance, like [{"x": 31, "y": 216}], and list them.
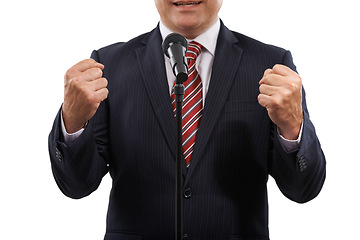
[{"x": 174, "y": 38}]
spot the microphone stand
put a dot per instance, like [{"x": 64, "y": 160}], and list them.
[
  {"x": 175, "y": 47},
  {"x": 179, "y": 95}
]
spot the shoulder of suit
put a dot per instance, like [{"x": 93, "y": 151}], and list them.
[
  {"x": 118, "y": 47},
  {"x": 251, "y": 43}
]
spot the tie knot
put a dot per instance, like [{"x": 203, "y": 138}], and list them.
[{"x": 194, "y": 49}]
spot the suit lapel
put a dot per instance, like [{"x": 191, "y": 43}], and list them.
[
  {"x": 226, "y": 62},
  {"x": 151, "y": 62},
  {"x": 150, "y": 58}
]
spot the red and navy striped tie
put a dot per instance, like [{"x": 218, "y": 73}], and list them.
[{"x": 192, "y": 104}]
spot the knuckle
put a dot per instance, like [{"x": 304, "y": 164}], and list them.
[
  {"x": 265, "y": 79},
  {"x": 260, "y": 100},
  {"x": 68, "y": 74},
  {"x": 267, "y": 71},
  {"x": 261, "y": 88},
  {"x": 99, "y": 72},
  {"x": 277, "y": 102},
  {"x": 298, "y": 80},
  {"x": 76, "y": 81},
  {"x": 104, "y": 95},
  {"x": 87, "y": 62},
  {"x": 77, "y": 85},
  {"x": 105, "y": 82},
  {"x": 106, "y": 92},
  {"x": 96, "y": 73},
  {"x": 285, "y": 94},
  {"x": 294, "y": 85},
  {"x": 277, "y": 67},
  {"x": 90, "y": 61},
  {"x": 90, "y": 97}
]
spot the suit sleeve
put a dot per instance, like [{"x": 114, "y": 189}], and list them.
[
  {"x": 300, "y": 175},
  {"x": 78, "y": 168}
]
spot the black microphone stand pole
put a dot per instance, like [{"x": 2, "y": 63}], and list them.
[
  {"x": 175, "y": 47},
  {"x": 179, "y": 95}
]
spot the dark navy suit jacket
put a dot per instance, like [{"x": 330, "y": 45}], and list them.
[{"x": 132, "y": 136}]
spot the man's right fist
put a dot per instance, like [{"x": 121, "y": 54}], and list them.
[{"x": 84, "y": 90}]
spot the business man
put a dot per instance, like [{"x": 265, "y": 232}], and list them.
[{"x": 251, "y": 121}]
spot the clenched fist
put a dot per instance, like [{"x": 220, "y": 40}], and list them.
[
  {"x": 84, "y": 90},
  {"x": 281, "y": 94}
]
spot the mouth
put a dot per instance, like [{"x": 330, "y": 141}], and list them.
[{"x": 187, "y": 4}]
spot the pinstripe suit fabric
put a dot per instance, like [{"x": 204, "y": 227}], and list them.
[{"x": 132, "y": 136}]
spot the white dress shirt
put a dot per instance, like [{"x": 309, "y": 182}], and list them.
[{"x": 204, "y": 63}]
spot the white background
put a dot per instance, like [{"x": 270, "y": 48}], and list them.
[{"x": 41, "y": 39}]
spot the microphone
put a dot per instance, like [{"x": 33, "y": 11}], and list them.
[{"x": 175, "y": 47}]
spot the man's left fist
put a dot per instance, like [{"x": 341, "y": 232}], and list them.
[{"x": 281, "y": 94}]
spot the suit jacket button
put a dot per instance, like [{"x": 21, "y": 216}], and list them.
[{"x": 187, "y": 193}]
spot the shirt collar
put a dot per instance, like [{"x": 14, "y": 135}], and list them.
[{"x": 207, "y": 39}]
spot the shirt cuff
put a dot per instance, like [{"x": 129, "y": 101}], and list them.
[
  {"x": 290, "y": 145},
  {"x": 69, "y": 137}
]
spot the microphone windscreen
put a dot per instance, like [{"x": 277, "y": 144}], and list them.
[{"x": 173, "y": 38}]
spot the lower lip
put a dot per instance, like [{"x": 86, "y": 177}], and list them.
[{"x": 187, "y": 6}]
